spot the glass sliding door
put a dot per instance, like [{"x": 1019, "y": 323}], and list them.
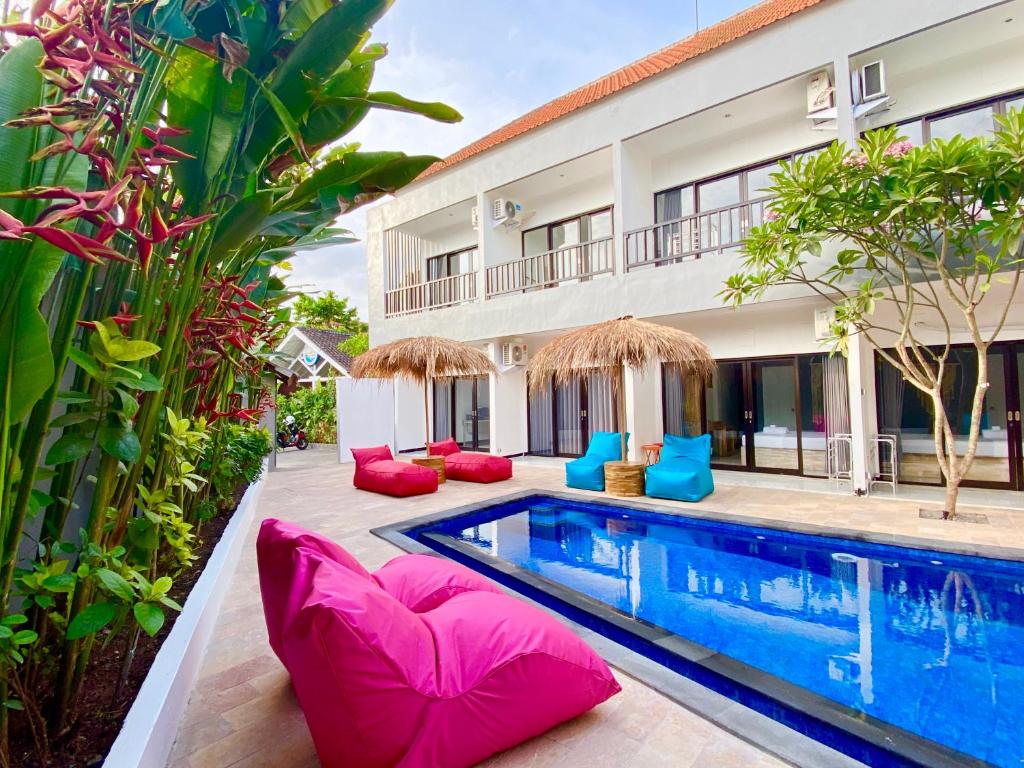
[
  {"x": 539, "y": 407},
  {"x": 776, "y": 436},
  {"x": 727, "y": 421},
  {"x": 682, "y": 402},
  {"x": 562, "y": 418},
  {"x": 570, "y": 418},
  {"x": 462, "y": 412},
  {"x": 763, "y": 414},
  {"x": 908, "y": 414}
]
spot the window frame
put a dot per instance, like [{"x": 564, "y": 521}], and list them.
[
  {"x": 998, "y": 104},
  {"x": 609, "y": 209},
  {"x": 448, "y": 256}
]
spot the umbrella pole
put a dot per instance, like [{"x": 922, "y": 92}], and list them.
[
  {"x": 426, "y": 418},
  {"x": 622, "y": 412}
]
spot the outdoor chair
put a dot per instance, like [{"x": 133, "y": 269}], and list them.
[
  {"x": 421, "y": 663},
  {"x": 377, "y": 471},
  {"x": 470, "y": 466},
  {"x": 587, "y": 472},
  {"x": 684, "y": 471}
]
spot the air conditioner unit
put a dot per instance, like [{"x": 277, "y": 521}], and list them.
[
  {"x": 513, "y": 353},
  {"x": 474, "y": 217},
  {"x": 872, "y": 81},
  {"x": 508, "y": 213},
  {"x": 824, "y": 319},
  {"x": 820, "y": 93}
]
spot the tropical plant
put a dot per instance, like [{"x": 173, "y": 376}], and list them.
[
  {"x": 356, "y": 344},
  {"x": 314, "y": 409},
  {"x": 925, "y": 248},
  {"x": 327, "y": 311},
  {"x": 157, "y": 161}
]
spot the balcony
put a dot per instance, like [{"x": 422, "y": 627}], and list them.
[
  {"x": 432, "y": 294},
  {"x": 581, "y": 262},
  {"x": 690, "y": 237}
]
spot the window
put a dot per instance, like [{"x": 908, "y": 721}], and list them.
[
  {"x": 450, "y": 264},
  {"x": 568, "y": 232},
  {"x": 970, "y": 121}
]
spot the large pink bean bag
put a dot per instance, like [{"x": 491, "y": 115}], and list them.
[
  {"x": 469, "y": 466},
  {"x": 377, "y": 471},
  {"x": 421, "y": 664}
]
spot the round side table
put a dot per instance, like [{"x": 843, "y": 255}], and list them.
[
  {"x": 624, "y": 478},
  {"x": 652, "y": 452},
  {"x": 435, "y": 463}
]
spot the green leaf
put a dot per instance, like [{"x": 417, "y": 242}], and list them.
[
  {"x": 131, "y": 350},
  {"x": 14, "y": 704},
  {"x": 115, "y": 583},
  {"x": 69, "y": 447},
  {"x": 150, "y": 617},
  {"x": 319, "y": 53},
  {"x": 24, "y": 637},
  {"x": 120, "y": 441},
  {"x": 62, "y": 583},
  {"x": 210, "y": 108},
  {"x": 69, "y": 419},
  {"x": 434, "y": 110},
  {"x": 241, "y": 221},
  {"x": 141, "y": 380},
  {"x": 91, "y": 620},
  {"x": 169, "y": 18}
]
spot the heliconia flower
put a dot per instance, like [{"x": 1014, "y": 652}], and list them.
[
  {"x": 81, "y": 246},
  {"x": 124, "y": 318},
  {"x": 185, "y": 226},
  {"x": 157, "y": 227}
]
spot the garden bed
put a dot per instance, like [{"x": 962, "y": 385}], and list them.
[{"x": 90, "y": 739}]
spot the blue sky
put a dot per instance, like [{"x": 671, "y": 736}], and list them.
[{"x": 493, "y": 61}]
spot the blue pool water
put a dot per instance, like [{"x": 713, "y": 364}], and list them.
[{"x": 930, "y": 642}]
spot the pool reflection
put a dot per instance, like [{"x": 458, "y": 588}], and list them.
[{"x": 931, "y": 648}]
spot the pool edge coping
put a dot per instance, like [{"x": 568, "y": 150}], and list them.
[{"x": 754, "y": 727}]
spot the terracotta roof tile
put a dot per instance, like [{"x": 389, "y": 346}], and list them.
[{"x": 706, "y": 40}]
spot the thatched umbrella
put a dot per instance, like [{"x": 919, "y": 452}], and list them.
[
  {"x": 616, "y": 343},
  {"x": 421, "y": 359}
]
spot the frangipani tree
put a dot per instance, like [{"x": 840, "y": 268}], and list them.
[{"x": 915, "y": 238}]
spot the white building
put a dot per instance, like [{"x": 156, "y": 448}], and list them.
[{"x": 634, "y": 191}]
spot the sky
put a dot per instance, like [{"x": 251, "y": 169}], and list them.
[{"x": 493, "y": 61}]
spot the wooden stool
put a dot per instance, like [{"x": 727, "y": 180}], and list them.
[
  {"x": 435, "y": 463},
  {"x": 624, "y": 478},
  {"x": 652, "y": 452}
]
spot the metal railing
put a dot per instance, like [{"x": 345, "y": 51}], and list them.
[
  {"x": 546, "y": 270},
  {"x": 690, "y": 237},
  {"x": 433, "y": 294}
]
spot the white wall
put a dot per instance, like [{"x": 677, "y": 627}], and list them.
[
  {"x": 508, "y": 411},
  {"x": 365, "y": 415},
  {"x": 409, "y": 415}
]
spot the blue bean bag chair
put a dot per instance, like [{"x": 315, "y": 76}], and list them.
[
  {"x": 587, "y": 472},
  {"x": 684, "y": 472}
]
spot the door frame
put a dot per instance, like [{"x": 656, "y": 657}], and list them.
[
  {"x": 583, "y": 424},
  {"x": 475, "y": 444},
  {"x": 1012, "y": 376},
  {"x": 749, "y": 414}
]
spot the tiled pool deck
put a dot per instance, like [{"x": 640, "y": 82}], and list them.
[{"x": 243, "y": 713}]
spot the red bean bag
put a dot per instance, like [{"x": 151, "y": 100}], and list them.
[
  {"x": 469, "y": 466},
  {"x": 376, "y": 471},
  {"x": 382, "y": 685}
]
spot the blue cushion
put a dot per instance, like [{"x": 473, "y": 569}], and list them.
[
  {"x": 606, "y": 444},
  {"x": 679, "y": 479},
  {"x": 696, "y": 449}
]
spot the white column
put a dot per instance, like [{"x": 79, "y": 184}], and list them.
[
  {"x": 860, "y": 362},
  {"x": 483, "y": 232},
  {"x": 507, "y": 407},
  {"x": 633, "y": 193},
  {"x": 643, "y": 408},
  {"x": 845, "y": 123}
]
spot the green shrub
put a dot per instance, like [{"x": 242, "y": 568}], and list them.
[
  {"x": 314, "y": 410},
  {"x": 240, "y": 461}
]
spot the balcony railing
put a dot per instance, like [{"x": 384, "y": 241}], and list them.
[
  {"x": 572, "y": 262},
  {"x": 690, "y": 237},
  {"x": 433, "y": 294}
]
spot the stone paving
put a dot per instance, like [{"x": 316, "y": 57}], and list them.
[{"x": 242, "y": 711}]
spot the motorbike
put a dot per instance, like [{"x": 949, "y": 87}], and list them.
[{"x": 291, "y": 436}]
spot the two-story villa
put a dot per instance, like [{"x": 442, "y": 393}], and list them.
[{"x": 631, "y": 195}]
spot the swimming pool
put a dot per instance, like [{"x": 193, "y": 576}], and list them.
[{"x": 894, "y": 655}]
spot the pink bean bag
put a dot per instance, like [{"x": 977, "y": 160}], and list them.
[
  {"x": 377, "y": 471},
  {"x": 423, "y": 663},
  {"x": 469, "y": 466}
]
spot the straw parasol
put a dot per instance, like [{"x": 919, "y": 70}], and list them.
[
  {"x": 421, "y": 359},
  {"x": 613, "y": 344}
]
